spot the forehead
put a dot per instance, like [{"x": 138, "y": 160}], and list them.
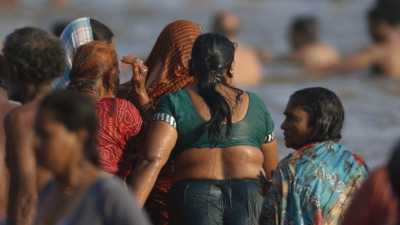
[{"x": 294, "y": 109}]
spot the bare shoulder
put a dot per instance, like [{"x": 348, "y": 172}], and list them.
[{"x": 20, "y": 117}]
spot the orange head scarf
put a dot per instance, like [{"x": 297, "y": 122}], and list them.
[{"x": 173, "y": 50}]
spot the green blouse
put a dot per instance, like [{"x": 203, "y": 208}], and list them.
[{"x": 178, "y": 110}]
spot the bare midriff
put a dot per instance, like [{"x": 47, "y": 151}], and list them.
[{"x": 237, "y": 162}]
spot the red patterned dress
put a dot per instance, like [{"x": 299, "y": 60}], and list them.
[{"x": 119, "y": 122}]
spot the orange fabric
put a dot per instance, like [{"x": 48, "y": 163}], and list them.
[
  {"x": 173, "y": 49},
  {"x": 374, "y": 203}
]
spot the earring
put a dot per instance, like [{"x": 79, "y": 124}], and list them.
[{"x": 230, "y": 72}]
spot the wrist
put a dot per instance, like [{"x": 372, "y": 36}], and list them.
[{"x": 143, "y": 99}]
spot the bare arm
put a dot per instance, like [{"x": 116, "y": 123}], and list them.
[
  {"x": 22, "y": 166},
  {"x": 270, "y": 151},
  {"x": 358, "y": 61},
  {"x": 160, "y": 140},
  {"x": 3, "y": 184}
]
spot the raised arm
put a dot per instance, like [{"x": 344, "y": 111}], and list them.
[
  {"x": 159, "y": 142},
  {"x": 138, "y": 82},
  {"x": 22, "y": 169}
]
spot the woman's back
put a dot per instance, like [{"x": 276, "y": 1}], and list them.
[{"x": 237, "y": 155}]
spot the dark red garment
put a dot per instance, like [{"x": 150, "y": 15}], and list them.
[
  {"x": 374, "y": 203},
  {"x": 119, "y": 122}
]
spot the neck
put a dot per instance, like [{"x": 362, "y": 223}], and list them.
[
  {"x": 107, "y": 95},
  {"x": 77, "y": 176},
  {"x": 36, "y": 93},
  {"x": 395, "y": 35},
  {"x": 306, "y": 45},
  {"x": 104, "y": 93}
]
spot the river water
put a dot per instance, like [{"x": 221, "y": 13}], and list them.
[{"x": 372, "y": 105}]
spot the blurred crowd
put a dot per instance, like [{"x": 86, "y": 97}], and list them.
[{"x": 181, "y": 143}]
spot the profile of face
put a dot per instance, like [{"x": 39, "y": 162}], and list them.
[
  {"x": 57, "y": 148},
  {"x": 296, "y": 127}
]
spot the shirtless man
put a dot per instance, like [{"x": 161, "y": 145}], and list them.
[
  {"x": 247, "y": 68},
  {"x": 307, "y": 49},
  {"x": 35, "y": 58},
  {"x": 5, "y": 107},
  {"x": 383, "y": 55}
]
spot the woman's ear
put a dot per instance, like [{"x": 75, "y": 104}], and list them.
[{"x": 230, "y": 71}]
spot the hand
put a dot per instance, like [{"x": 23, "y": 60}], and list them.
[
  {"x": 139, "y": 72},
  {"x": 265, "y": 182},
  {"x": 138, "y": 81}
]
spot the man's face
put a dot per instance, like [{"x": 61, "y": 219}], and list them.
[{"x": 296, "y": 129}]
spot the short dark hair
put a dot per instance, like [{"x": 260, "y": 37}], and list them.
[
  {"x": 325, "y": 110},
  {"x": 100, "y": 31},
  {"x": 58, "y": 27},
  {"x": 75, "y": 111},
  {"x": 307, "y": 26},
  {"x": 386, "y": 10},
  {"x": 33, "y": 55}
]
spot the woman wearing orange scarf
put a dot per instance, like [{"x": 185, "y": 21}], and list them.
[
  {"x": 166, "y": 70},
  {"x": 167, "y": 64}
]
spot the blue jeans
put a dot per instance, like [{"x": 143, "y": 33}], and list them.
[{"x": 215, "y": 202}]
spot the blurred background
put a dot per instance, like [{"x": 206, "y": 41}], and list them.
[{"x": 372, "y": 104}]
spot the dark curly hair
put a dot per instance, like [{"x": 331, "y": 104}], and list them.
[
  {"x": 33, "y": 55},
  {"x": 325, "y": 111}
]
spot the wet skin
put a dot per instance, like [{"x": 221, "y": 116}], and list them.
[
  {"x": 26, "y": 177},
  {"x": 5, "y": 107},
  {"x": 201, "y": 163}
]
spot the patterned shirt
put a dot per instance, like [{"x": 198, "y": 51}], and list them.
[{"x": 313, "y": 186}]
